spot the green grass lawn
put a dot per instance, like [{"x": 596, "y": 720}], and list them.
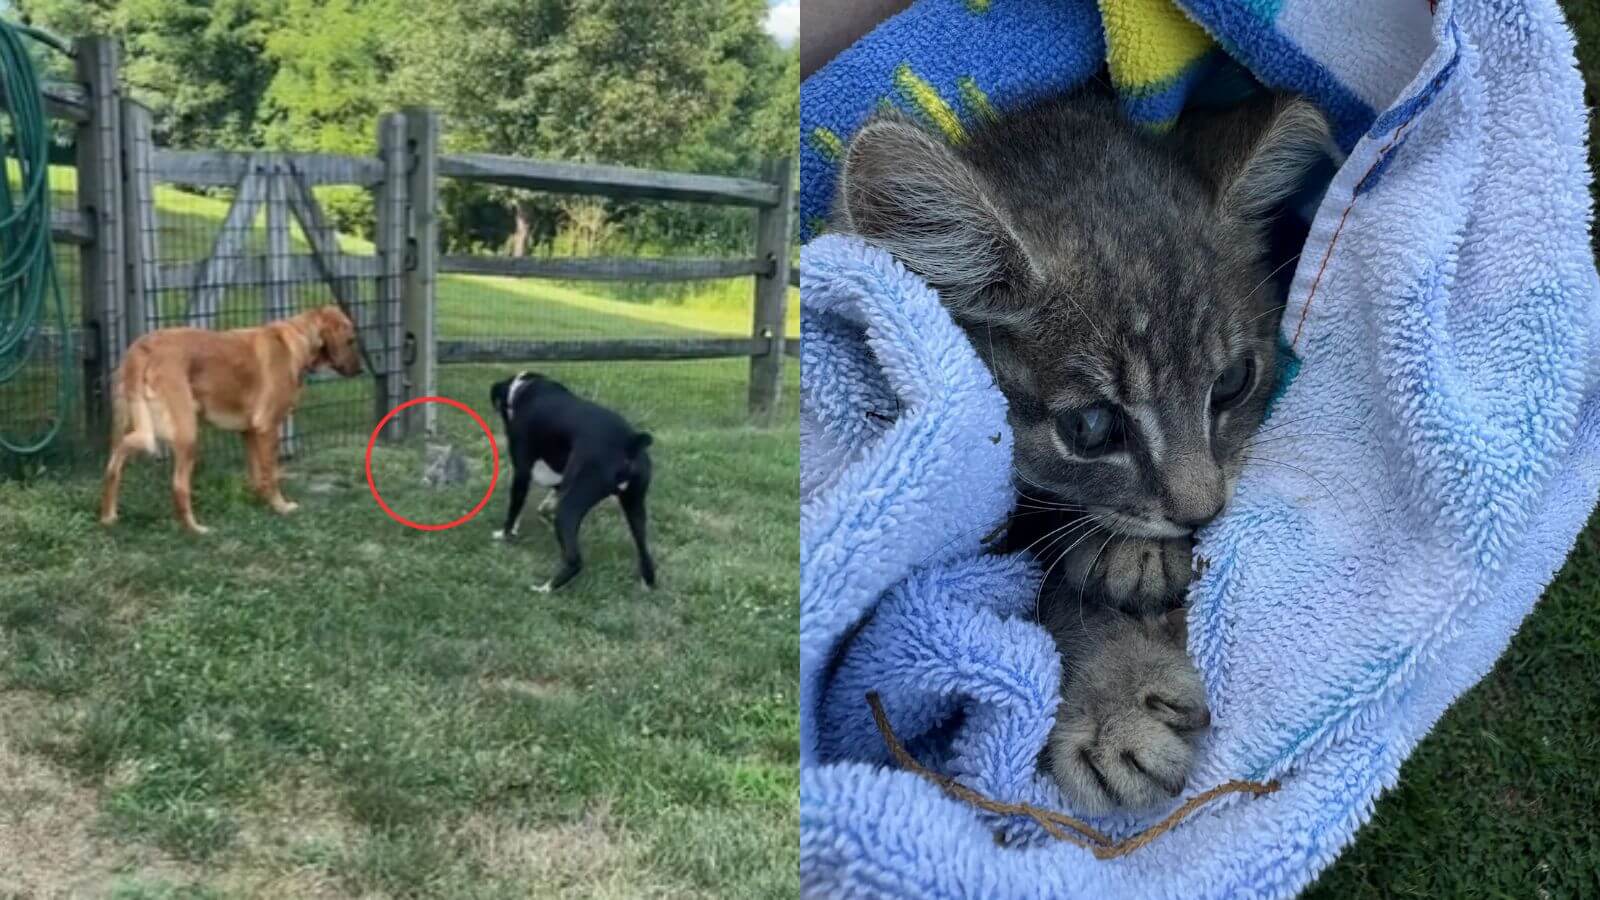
[
  {"x": 333, "y": 705},
  {"x": 329, "y": 704}
]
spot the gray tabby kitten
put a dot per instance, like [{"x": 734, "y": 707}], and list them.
[
  {"x": 1115, "y": 284},
  {"x": 444, "y": 466}
]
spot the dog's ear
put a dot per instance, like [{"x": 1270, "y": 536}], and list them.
[
  {"x": 637, "y": 443},
  {"x": 497, "y": 395}
]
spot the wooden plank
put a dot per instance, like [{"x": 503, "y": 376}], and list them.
[
  {"x": 224, "y": 168},
  {"x": 99, "y": 160},
  {"x": 216, "y": 271},
  {"x": 279, "y": 303},
  {"x": 794, "y": 276},
  {"x": 334, "y": 267},
  {"x": 390, "y": 200},
  {"x": 71, "y": 226},
  {"x": 253, "y": 271},
  {"x": 417, "y": 296},
  {"x": 608, "y": 181},
  {"x": 772, "y": 294},
  {"x": 791, "y": 347},
  {"x": 602, "y": 268},
  {"x": 67, "y": 107},
  {"x": 139, "y": 219},
  {"x": 492, "y": 351}
]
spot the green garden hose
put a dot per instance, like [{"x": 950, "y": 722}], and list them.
[{"x": 27, "y": 264}]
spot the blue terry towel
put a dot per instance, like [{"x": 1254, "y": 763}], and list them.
[{"x": 1430, "y": 464}]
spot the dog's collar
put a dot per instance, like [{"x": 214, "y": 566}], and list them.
[{"x": 511, "y": 392}]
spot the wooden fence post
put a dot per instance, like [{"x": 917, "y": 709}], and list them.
[
  {"x": 772, "y": 293},
  {"x": 390, "y": 197},
  {"x": 420, "y": 312},
  {"x": 100, "y": 201},
  {"x": 139, "y": 221},
  {"x": 280, "y": 305}
]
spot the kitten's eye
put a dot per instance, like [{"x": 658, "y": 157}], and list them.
[
  {"x": 1090, "y": 431},
  {"x": 1231, "y": 385}
]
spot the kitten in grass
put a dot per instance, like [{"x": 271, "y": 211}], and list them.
[{"x": 1116, "y": 286}]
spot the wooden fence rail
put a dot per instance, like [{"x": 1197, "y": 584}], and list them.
[{"x": 123, "y": 276}]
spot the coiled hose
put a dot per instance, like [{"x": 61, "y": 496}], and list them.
[{"x": 27, "y": 264}]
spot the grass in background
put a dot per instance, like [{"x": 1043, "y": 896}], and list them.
[{"x": 329, "y": 704}]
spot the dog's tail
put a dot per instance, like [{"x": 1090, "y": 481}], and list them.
[
  {"x": 130, "y": 402},
  {"x": 637, "y": 443}
]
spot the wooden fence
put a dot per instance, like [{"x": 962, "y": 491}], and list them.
[{"x": 129, "y": 288}]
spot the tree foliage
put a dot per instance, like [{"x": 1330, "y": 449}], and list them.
[{"x": 692, "y": 84}]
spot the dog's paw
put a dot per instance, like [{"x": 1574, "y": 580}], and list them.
[
  {"x": 108, "y": 521},
  {"x": 285, "y": 507},
  {"x": 1129, "y": 723},
  {"x": 199, "y": 530},
  {"x": 542, "y": 588}
]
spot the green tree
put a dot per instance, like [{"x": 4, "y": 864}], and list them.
[
  {"x": 200, "y": 65},
  {"x": 332, "y": 60}
]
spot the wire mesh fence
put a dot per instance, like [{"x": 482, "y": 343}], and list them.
[
  {"x": 597, "y": 267},
  {"x": 488, "y": 307},
  {"x": 228, "y": 258},
  {"x": 40, "y": 380}
]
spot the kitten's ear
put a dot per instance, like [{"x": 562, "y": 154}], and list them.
[
  {"x": 1256, "y": 153},
  {"x": 904, "y": 190}
]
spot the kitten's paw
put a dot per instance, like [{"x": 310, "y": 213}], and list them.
[
  {"x": 1132, "y": 573},
  {"x": 1130, "y": 720}
]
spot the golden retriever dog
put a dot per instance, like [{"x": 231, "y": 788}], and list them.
[{"x": 246, "y": 380}]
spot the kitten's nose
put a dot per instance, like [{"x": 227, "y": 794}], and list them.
[
  {"x": 1194, "y": 490},
  {"x": 1194, "y": 522}
]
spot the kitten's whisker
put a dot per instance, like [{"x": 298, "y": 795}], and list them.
[
  {"x": 1045, "y": 504},
  {"x": 1370, "y": 514},
  {"x": 1306, "y": 418},
  {"x": 1038, "y": 595},
  {"x": 966, "y": 531},
  {"x": 1270, "y": 276},
  {"x": 1069, "y": 527},
  {"x": 1018, "y": 473},
  {"x": 1084, "y": 585},
  {"x": 1325, "y": 434}
]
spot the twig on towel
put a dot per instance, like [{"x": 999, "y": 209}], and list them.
[{"x": 1051, "y": 821}]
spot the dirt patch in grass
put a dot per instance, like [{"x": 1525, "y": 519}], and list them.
[
  {"x": 48, "y": 843},
  {"x": 593, "y": 857},
  {"x": 528, "y": 687},
  {"x": 51, "y": 846}
]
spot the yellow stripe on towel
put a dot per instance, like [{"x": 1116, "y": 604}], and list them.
[
  {"x": 975, "y": 100},
  {"x": 827, "y": 143},
  {"x": 925, "y": 97},
  {"x": 1149, "y": 42}
]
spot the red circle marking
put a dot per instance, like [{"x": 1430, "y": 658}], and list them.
[{"x": 493, "y": 479}]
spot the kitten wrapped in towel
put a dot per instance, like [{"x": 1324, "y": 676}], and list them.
[{"x": 1115, "y": 284}]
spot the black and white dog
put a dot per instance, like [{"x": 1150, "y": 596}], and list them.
[{"x": 583, "y": 453}]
